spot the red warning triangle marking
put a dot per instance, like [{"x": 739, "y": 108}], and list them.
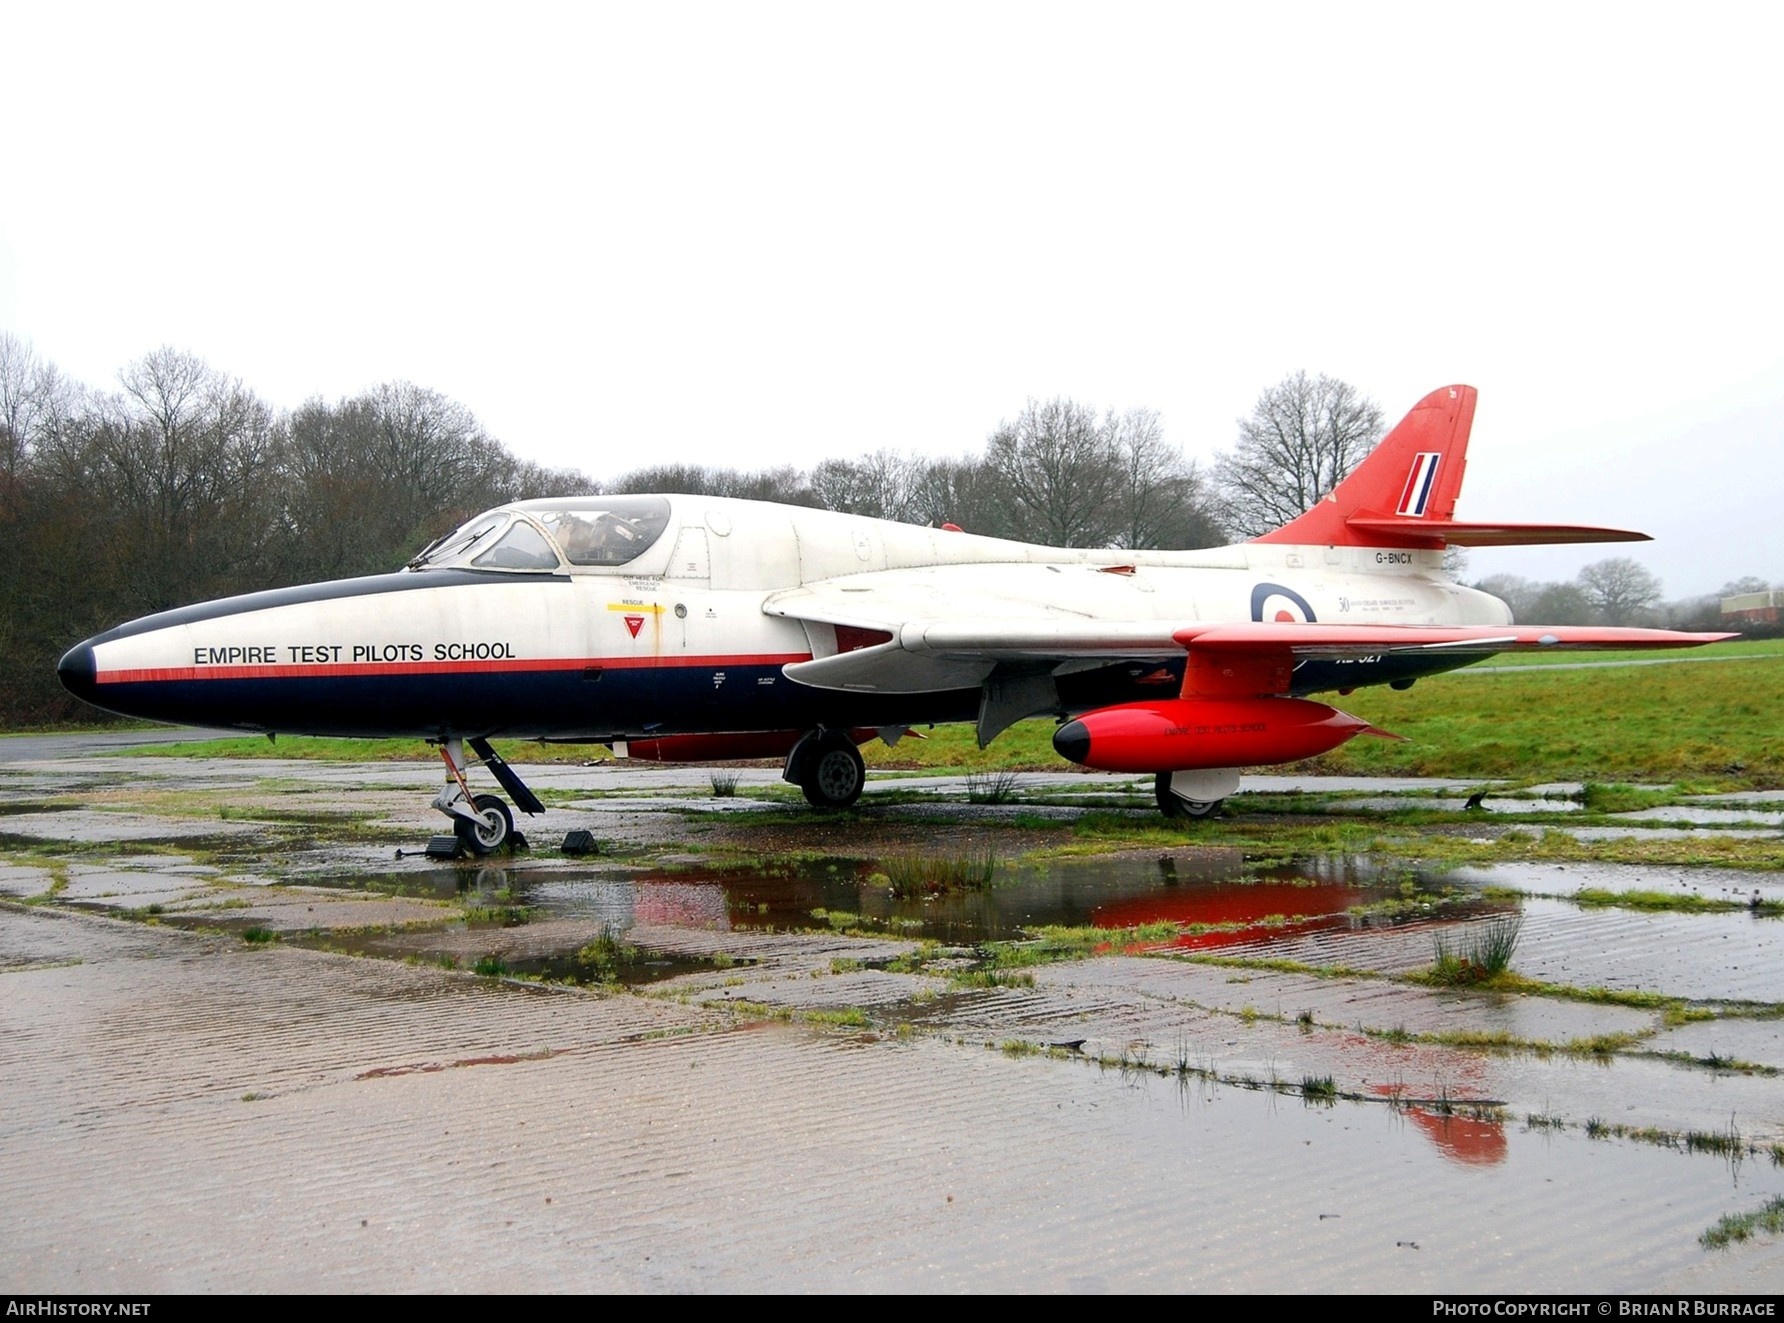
[{"x": 634, "y": 623}]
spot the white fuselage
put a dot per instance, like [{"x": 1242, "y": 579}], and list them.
[{"x": 693, "y": 631}]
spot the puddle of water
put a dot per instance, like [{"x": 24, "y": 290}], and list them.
[
  {"x": 607, "y": 959},
  {"x": 1502, "y": 806},
  {"x": 1732, "y": 956},
  {"x": 1327, "y": 911},
  {"x": 1699, "y": 815},
  {"x": 1733, "y": 886},
  {"x": 17, "y": 807},
  {"x": 1215, "y": 894},
  {"x": 632, "y": 973}
]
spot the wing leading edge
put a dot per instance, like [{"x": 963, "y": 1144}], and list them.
[{"x": 929, "y": 655}]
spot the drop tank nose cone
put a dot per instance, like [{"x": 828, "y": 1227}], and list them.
[
  {"x": 78, "y": 673},
  {"x": 1072, "y": 742}
]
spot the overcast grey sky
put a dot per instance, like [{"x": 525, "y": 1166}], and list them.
[{"x": 761, "y": 233}]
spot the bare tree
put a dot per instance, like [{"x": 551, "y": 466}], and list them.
[
  {"x": 962, "y": 492},
  {"x": 1619, "y": 589},
  {"x": 1304, "y": 435},
  {"x": 534, "y": 480},
  {"x": 1515, "y": 591},
  {"x": 34, "y": 400},
  {"x": 785, "y": 483},
  {"x": 882, "y": 485},
  {"x": 1560, "y": 604},
  {"x": 369, "y": 480},
  {"x": 183, "y": 458},
  {"x": 1053, "y": 462},
  {"x": 1160, "y": 499}
]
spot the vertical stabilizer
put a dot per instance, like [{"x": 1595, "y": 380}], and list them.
[{"x": 1404, "y": 493}]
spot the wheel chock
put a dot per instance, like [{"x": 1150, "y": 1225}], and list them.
[
  {"x": 581, "y": 842},
  {"x": 444, "y": 847}
]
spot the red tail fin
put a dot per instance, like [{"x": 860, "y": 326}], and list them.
[
  {"x": 1410, "y": 481},
  {"x": 1404, "y": 493}
]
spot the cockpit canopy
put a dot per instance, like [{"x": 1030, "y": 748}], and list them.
[{"x": 546, "y": 536}]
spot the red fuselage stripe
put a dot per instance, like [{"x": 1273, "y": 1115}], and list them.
[{"x": 341, "y": 669}]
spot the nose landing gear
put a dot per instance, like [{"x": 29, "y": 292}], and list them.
[{"x": 482, "y": 823}]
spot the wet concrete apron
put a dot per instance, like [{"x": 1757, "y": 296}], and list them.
[{"x": 186, "y": 1110}]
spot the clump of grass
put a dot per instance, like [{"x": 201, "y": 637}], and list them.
[
  {"x": 851, "y": 1017},
  {"x": 604, "y": 957},
  {"x": 1601, "y": 1045},
  {"x": 1599, "y": 897},
  {"x": 500, "y": 916},
  {"x": 1319, "y": 1088},
  {"x": 992, "y": 978},
  {"x": 258, "y": 936},
  {"x": 1741, "y": 1226},
  {"x": 997, "y": 786},
  {"x": 929, "y": 875},
  {"x": 724, "y": 784},
  {"x": 1483, "y": 953},
  {"x": 1597, "y": 797},
  {"x": 1725, "y": 1143},
  {"x": 490, "y": 966}
]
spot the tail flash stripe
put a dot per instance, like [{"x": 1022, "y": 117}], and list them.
[{"x": 1418, "y": 484}]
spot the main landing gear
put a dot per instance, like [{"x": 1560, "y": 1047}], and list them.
[
  {"x": 827, "y": 766},
  {"x": 482, "y": 823},
  {"x": 1194, "y": 794}
]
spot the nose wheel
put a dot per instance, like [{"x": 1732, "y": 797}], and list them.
[{"x": 490, "y": 830}]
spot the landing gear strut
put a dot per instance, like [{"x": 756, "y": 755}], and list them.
[
  {"x": 827, "y": 766},
  {"x": 482, "y": 823}
]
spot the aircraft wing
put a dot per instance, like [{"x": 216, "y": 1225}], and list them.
[
  {"x": 927, "y": 655},
  {"x": 1307, "y": 642}
]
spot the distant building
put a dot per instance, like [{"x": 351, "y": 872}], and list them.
[{"x": 1753, "y": 608}]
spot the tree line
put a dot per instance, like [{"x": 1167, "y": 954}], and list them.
[{"x": 181, "y": 484}]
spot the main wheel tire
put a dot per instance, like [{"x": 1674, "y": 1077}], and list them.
[
  {"x": 1175, "y": 806},
  {"x": 491, "y": 830},
  {"x": 834, "y": 776}
]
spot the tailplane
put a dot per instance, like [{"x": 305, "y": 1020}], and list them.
[{"x": 1404, "y": 493}]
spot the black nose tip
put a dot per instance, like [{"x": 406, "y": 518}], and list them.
[
  {"x": 1072, "y": 741},
  {"x": 78, "y": 672}
]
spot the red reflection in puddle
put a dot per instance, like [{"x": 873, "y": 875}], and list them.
[
  {"x": 1309, "y": 908},
  {"x": 680, "y": 903},
  {"x": 1463, "y": 1139},
  {"x": 1469, "y": 1140}
]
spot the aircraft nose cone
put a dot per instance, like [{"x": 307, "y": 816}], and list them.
[
  {"x": 78, "y": 673},
  {"x": 1072, "y": 741}
]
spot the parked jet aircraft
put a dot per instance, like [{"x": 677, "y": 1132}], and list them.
[{"x": 690, "y": 627}]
